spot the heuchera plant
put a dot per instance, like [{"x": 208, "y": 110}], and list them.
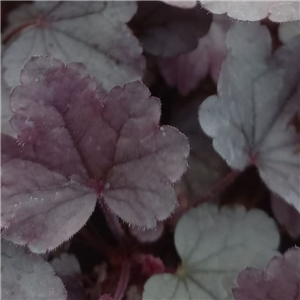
[
  {"x": 74, "y": 149},
  {"x": 103, "y": 198},
  {"x": 277, "y": 11},
  {"x": 250, "y": 126},
  {"x": 280, "y": 280}
]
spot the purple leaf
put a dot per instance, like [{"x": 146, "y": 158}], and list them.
[
  {"x": 74, "y": 147},
  {"x": 27, "y": 276},
  {"x": 93, "y": 33},
  {"x": 166, "y": 30},
  {"x": 280, "y": 280},
  {"x": 258, "y": 95},
  {"x": 187, "y": 70}
]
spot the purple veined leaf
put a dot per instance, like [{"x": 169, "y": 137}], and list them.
[
  {"x": 167, "y": 31},
  {"x": 94, "y": 33},
  {"x": 280, "y": 280},
  {"x": 214, "y": 245},
  {"x": 277, "y": 11},
  {"x": 188, "y": 69},
  {"x": 145, "y": 235},
  {"x": 289, "y": 30},
  {"x": 287, "y": 215},
  {"x": 27, "y": 276},
  {"x": 250, "y": 119},
  {"x": 74, "y": 147}
]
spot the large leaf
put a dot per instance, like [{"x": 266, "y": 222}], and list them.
[
  {"x": 244, "y": 10},
  {"x": 214, "y": 246},
  {"x": 166, "y": 30},
  {"x": 280, "y": 280},
  {"x": 258, "y": 95},
  {"x": 92, "y": 32},
  {"x": 27, "y": 276},
  {"x": 74, "y": 147}
]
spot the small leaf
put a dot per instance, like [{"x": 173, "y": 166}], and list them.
[
  {"x": 74, "y": 147},
  {"x": 258, "y": 95},
  {"x": 27, "y": 276},
  {"x": 214, "y": 245},
  {"x": 280, "y": 280},
  {"x": 93, "y": 33},
  {"x": 287, "y": 215},
  {"x": 166, "y": 30},
  {"x": 147, "y": 235},
  {"x": 66, "y": 265},
  {"x": 187, "y": 70}
]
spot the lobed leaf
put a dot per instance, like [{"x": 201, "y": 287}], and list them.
[
  {"x": 249, "y": 120},
  {"x": 280, "y": 280},
  {"x": 27, "y": 276},
  {"x": 94, "y": 33},
  {"x": 276, "y": 11},
  {"x": 214, "y": 245},
  {"x": 75, "y": 147},
  {"x": 187, "y": 70},
  {"x": 166, "y": 30}
]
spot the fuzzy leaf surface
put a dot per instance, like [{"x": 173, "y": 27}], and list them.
[
  {"x": 214, "y": 245},
  {"x": 250, "y": 119},
  {"x": 277, "y": 11},
  {"x": 94, "y": 33},
  {"x": 147, "y": 235},
  {"x": 74, "y": 147},
  {"x": 166, "y": 30},
  {"x": 27, "y": 276},
  {"x": 280, "y": 280}
]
